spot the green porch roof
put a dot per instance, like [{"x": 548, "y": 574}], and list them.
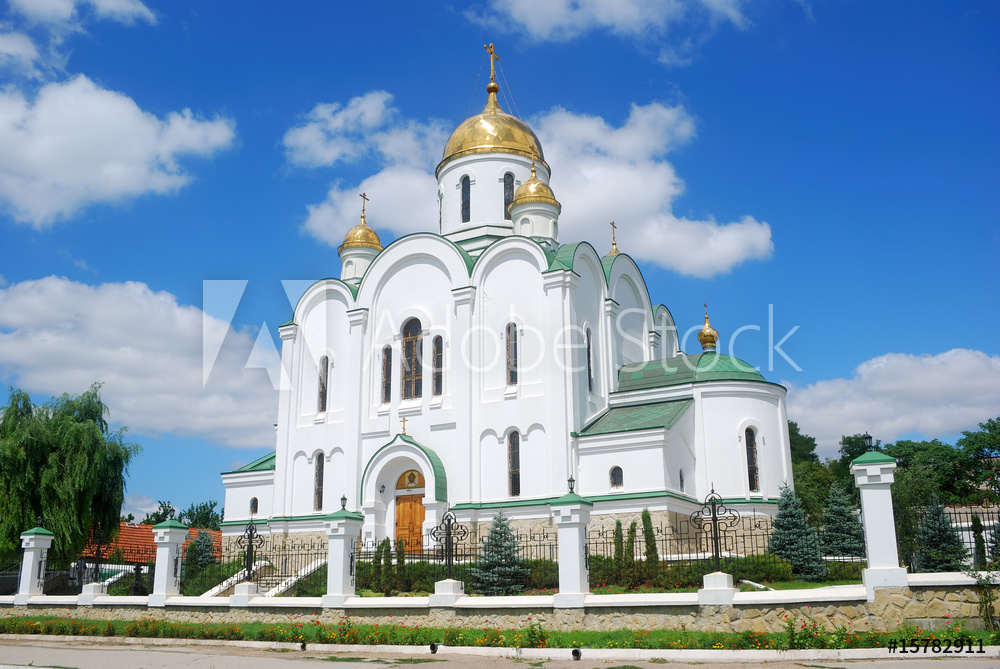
[
  {"x": 640, "y": 417},
  {"x": 685, "y": 369},
  {"x": 259, "y": 465}
]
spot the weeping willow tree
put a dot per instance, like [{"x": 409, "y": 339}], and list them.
[{"x": 60, "y": 462}]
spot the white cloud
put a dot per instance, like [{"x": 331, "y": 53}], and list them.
[
  {"x": 58, "y": 336},
  {"x": 897, "y": 394},
  {"x": 78, "y": 144},
  {"x": 139, "y": 505},
  {"x": 66, "y": 11},
  {"x": 18, "y": 53},
  {"x": 600, "y": 173},
  {"x": 561, "y": 20}
]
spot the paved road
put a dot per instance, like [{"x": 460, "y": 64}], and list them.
[{"x": 108, "y": 655}]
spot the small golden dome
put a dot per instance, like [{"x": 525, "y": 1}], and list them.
[
  {"x": 361, "y": 236},
  {"x": 708, "y": 336},
  {"x": 535, "y": 190},
  {"x": 492, "y": 131}
]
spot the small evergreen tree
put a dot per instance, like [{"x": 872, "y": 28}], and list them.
[
  {"x": 376, "y": 583},
  {"x": 631, "y": 572},
  {"x": 498, "y": 569},
  {"x": 842, "y": 533},
  {"x": 794, "y": 541},
  {"x": 978, "y": 533},
  {"x": 199, "y": 554},
  {"x": 994, "y": 546},
  {"x": 401, "y": 583},
  {"x": 387, "y": 575},
  {"x": 652, "y": 554},
  {"x": 939, "y": 545},
  {"x": 619, "y": 554}
]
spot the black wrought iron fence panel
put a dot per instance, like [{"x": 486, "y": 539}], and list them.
[
  {"x": 212, "y": 572},
  {"x": 977, "y": 526},
  {"x": 126, "y": 570},
  {"x": 64, "y": 573},
  {"x": 10, "y": 572}
]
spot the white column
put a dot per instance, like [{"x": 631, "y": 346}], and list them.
[
  {"x": 873, "y": 474},
  {"x": 36, "y": 542},
  {"x": 169, "y": 537},
  {"x": 342, "y": 530},
  {"x": 572, "y": 515}
]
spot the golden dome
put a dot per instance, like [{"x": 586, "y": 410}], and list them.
[
  {"x": 492, "y": 131},
  {"x": 708, "y": 336},
  {"x": 361, "y": 236},
  {"x": 535, "y": 190}
]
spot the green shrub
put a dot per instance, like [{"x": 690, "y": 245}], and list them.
[
  {"x": 845, "y": 571},
  {"x": 542, "y": 574}
]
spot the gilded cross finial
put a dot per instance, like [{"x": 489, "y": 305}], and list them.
[
  {"x": 706, "y": 312},
  {"x": 493, "y": 57},
  {"x": 614, "y": 242},
  {"x": 404, "y": 424},
  {"x": 364, "y": 201}
]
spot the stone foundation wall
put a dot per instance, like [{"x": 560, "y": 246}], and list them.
[{"x": 925, "y": 607}]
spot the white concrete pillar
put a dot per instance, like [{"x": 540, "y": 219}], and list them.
[
  {"x": 572, "y": 515},
  {"x": 36, "y": 542},
  {"x": 873, "y": 474},
  {"x": 342, "y": 530},
  {"x": 169, "y": 537}
]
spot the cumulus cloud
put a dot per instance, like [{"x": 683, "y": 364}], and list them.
[
  {"x": 78, "y": 144},
  {"x": 58, "y": 336},
  {"x": 897, "y": 394},
  {"x": 53, "y": 12},
  {"x": 18, "y": 53},
  {"x": 562, "y": 20},
  {"x": 600, "y": 173}
]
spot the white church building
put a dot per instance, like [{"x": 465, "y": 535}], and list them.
[{"x": 481, "y": 366}]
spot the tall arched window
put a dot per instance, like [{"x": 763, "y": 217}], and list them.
[
  {"x": 508, "y": 194},
  {"x": 438, "y": 365},
  {"x": 253, "y": 506},
  {"x": 590, "y": 363},
  {"x": 324, "y": 369},
  {"x": 466, "y": 200},
  {"x": 751, "y": 438},
  {"x": 318, "y": 486},
  {"x": 386, "y": 375},
  {"x": 617, "y": 477},
  {"x": 511, "y": 354},
  {"x": 680, "y": 479},
  {"x": 514, "y": 463},
  {"x": 413, "y": 342}
]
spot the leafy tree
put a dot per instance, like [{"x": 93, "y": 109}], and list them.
[
  {"x": 851, "y": 447},
  {"x": 161, "y": 515},
  {"x": 812, "y": 487},
  {"x": 953, "y": 470},
  {"x": 62, "y": 462},
  {"x": 202, "y": 515},
  {"x": 652, "y": 555},
  {"x": 842, "y": 533},
  {"x": 912, "y": 491},
  {"x": 794, "y": 541},
  {"x": 983, "y": 449},
  {"x": 498, "y": 569},
  {"x": 939, "y": 545},
  {"x": 803, "y": 446}
]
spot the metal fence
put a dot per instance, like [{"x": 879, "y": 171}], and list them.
[
  {"x": 10, "y": 572},
  {"x": 975, "y": 524}
]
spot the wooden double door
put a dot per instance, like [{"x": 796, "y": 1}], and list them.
[{"x": 410, "y": 521}]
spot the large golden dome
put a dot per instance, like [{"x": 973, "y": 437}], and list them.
[
  {"x": 492, "y": 131},
  {"x": 361, "y": 236}
]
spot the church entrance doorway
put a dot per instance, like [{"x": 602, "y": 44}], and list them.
[{"x": 410, "y": 510}]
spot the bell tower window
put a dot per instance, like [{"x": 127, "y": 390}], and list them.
[
  {"x": 413, "y": 341},
  {"x": 511, "y": 354},
  {"x": 324, "y": 370},
  {"x": 438, "y": 365},
  {"x": 386, "y": 375},
  {"x": 514, "y": 463},
  {"x": 466, "y": 199},
  {"x": 508, "y": 194},
  {"x": 318, "y": 485},
  {"x": 752, "y": 479}
]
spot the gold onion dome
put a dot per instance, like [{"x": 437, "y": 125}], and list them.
[
  {"x": 361, "y": 236},
  {"x": 492, "y": 131},
  {"x": 535, "y": 190},
  {"x": 708, "y": 336}
]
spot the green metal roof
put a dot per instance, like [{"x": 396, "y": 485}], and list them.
[
  {"x": 873, "y": 458},
  {"x": 685, "y": 369},
  {"x": 606, "y": 263},
  {"x": 563, "y": 258},
  {"x": 640, "y": 417},
  {"x": 259, "y": 465}
]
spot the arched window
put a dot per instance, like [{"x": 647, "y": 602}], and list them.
[
  {"x": 438, "y": 365},
  {"x": 508, "y": 194},
  {"x": 511, "y": 354},
  {"x": 253, "y": 506},
  {"x": 514, "y": 463},
  {"x": 751, "y": 438},
  {"x": 386, "y": 375},
  {"x": 617, "y": 478},
  {"x": 466, "y": 200},
  {"x": 324, "y": 369},
  {"x": 680, "y": 479},
  {"x": 413, "y": 342},
  {"x": 318, "y": 486},
  {"x": 590, "y": 363}
]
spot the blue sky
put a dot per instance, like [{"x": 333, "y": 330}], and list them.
[{"x": 832, "y": 163}]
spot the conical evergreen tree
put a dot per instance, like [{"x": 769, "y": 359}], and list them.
[
  {"x": 498, "y": 570},
  {"x": 994, "y": 546},
  {"x": 939, "y": 545},
  {"x": 842, "y": 533},
  {"x": 793, "y": 540}
]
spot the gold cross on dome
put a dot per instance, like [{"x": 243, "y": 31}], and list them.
[
  {"x": 493, "y": 57},
  {"x": 364, "y": 201},
  {"x": 614, "y": 243},
  {"x": 404, "y": 424}
]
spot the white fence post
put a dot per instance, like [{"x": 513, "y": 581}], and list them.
[
  {"x": 572, "y": 515},
  {"x": 36, "y": 542},
  {"x": 343, "y": 529},
  {"x": 873, "y": 474},
  {"x": 169, "y": 537}
]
